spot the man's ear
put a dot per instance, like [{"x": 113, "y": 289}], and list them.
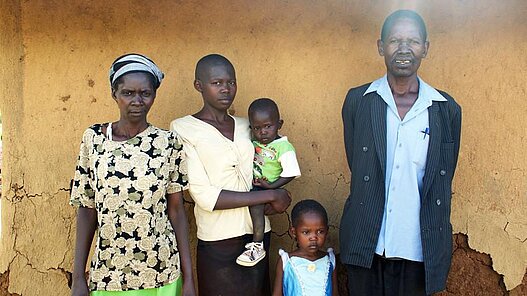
[
  {"x": 113, "y": 93},
  {"x": 198, "y": 86},
  {"x": 379, "y": 47},
  {"x": 280, "y": 123},
  {"x": 427, "y": 46}
]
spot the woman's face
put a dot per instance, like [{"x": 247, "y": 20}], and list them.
[
  {"x": 218, "y": 87},
  {"x": 134, "y": 95}
]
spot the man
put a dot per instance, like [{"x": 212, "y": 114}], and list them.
[{"x": 402, "y": 142}]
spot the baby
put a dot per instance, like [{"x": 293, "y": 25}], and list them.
[{"x": 275, "y": 165}]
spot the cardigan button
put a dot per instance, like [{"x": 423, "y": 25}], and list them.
[
  {"x": 366, "y": 178},
  {"x": 438, "y": 202},
  {"x": 365, "y": 149},
  {"x": 442, "y": 172}
]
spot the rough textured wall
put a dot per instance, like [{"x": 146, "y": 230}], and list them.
[{"x": 305, "y": 54}]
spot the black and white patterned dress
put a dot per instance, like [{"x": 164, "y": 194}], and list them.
[{"x": 127, "y": 183}]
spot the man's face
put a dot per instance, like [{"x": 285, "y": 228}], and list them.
[{"x": 403, "y": 48}]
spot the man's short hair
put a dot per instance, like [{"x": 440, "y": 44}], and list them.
[{"x": 399, "y": 14}]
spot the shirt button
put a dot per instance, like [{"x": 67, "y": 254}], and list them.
[
  {"x": 397, "y": 166},
  {"x": 442, "y": 172},
  {"x": 366, "y": 178},
  {"x": 400, "y": 145},
  {"x": 438, "y": 202},
  {"x": 365, "y": 149}
]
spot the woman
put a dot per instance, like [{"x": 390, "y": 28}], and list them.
[
  {"x": 128, "y": 184},
  {"x": 219, "y": 158}
]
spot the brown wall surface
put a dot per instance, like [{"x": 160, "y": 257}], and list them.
[{"x": 305, "y": 54}]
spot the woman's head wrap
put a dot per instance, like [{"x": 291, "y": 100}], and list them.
[{"x": 135, "y": 63}]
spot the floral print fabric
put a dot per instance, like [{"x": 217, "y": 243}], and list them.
[{"x": 127, "y": 182}]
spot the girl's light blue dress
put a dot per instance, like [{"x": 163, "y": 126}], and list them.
[{"x": 303, "y": 277}]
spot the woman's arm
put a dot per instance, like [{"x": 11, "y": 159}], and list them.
[
  {"x": 210, "y": 197},
  {"x": 279, "y": 277},
  {"x": 279, "y": 199},
  {"x": 179, "y": 222},
  {"x": 86, "y": 225}
]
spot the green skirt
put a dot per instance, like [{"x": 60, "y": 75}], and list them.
[{"x": 173, "y": 289}]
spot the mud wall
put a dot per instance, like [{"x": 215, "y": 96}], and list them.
[{"x": 305, "y": 55}]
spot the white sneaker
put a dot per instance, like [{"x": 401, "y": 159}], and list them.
[{"x": 254, "y": 253}]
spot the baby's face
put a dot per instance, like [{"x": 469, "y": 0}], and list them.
[{"x": 264, "y": 125}]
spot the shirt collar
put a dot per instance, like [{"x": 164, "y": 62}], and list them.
[
  {"x": 281, "y": 139},
  {"x": 382, "y": 87}
]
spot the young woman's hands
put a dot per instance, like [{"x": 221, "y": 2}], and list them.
[{"x": 281, "y": 200}]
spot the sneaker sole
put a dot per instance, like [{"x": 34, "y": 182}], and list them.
[{"x": 249, "y": 264}]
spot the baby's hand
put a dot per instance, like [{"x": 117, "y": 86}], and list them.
[{"x": 262, "y": 182}]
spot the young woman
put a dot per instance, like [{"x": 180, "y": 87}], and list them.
[{"x": 219, "y": 158}]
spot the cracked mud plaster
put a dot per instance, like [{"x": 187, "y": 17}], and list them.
[
  {"x": 471, "y": 274},
  {"x": 4, "y": 285},
  {"x": 26, "y": 280},
  {"x": 41, "y": 256}
]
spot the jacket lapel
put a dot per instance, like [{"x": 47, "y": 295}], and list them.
[
  {"x": 433, "y": 154},
  {"x": 378, "y": 123}
]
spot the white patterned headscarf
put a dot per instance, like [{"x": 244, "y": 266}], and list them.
[{"x": 135, "y": 63}]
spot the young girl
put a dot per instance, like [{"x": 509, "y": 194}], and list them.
[{"x": 308, "y": 270}]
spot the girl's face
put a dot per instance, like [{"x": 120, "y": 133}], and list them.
[
  {"x": 310, "y": 233},
  {"x": 218, "y": 87}
]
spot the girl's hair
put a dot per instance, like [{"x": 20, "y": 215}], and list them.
[{"x": 307, "y": 206}]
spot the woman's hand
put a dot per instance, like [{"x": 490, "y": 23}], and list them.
[
  {"x": 188, "y": 289},
  {"x": 281, "y": 200},
  {"x": 79, "y": 287},
  {"x": 86, "y": 225},
  {"x": 269, "y": 210}
]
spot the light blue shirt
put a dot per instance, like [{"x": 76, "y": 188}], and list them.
[{"x": 406, "y": 151}]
